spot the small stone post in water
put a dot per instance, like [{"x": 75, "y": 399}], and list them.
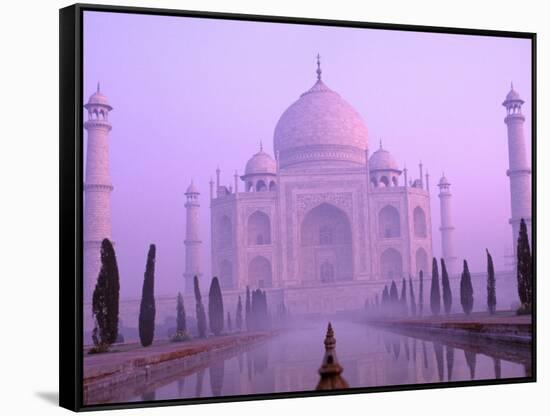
[{"x": 331, "y": 370}]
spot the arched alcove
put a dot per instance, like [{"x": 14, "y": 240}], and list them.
[
  {"x": 259, "y": 229},
  {"x": 226, "y": 274},
  {"x": 259, "y": 272},
  {"x": 389, "y": 223},
  {"x": 419, "y": 221},
  {"x": 261, "y": 186},
  {"x": 225, "y": 232},
  {"x": 391, "y": 264},
  {"x": 421, "y": 261}
]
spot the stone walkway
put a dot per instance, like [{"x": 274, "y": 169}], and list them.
[{"x": 123, "y": 357}]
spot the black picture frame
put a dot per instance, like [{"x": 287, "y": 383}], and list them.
[{"x": 71, "y": 196}]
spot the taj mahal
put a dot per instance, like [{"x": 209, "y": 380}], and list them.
[
  {"x": 321, "y": 224},
  {"x": 323, "y": 211}
]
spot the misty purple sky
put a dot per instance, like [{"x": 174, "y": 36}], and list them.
[{"x": 192, "y": 94}]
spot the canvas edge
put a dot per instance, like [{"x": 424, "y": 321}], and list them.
[{"x": 70, "y": 168}]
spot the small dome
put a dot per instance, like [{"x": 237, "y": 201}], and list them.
[
  {"x": 512, "y": 95},
  {"x": 382, "y": 160},
  {"x": 192, "y": 189},
  {"x": 97, "y": 98},
  {"x": 260, "y": 164},
  {"x": 444, "y": 181}
]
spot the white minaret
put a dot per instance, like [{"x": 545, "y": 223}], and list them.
[
  {"x": 192, "y": 238},
  {"x": 97, "y": 188},
  {"x": 519, "y": 170},
  {"x": 446, "y": 228}
]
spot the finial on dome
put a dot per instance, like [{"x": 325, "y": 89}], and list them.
[
  {"x": 98, "y": 89},
  {"x": 380, "y": 144},
  {"x": 319, "y": 67},
  {"x": 512, "y": 85},
  {"x": 261, "y": 146}
]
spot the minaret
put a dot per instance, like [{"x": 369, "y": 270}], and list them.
[
  {"x": 331, "y": 370},
  {"x": 97, "y": 188},
  {"x": 519, "y": 170},
  {"x": 447, "y": 229},
  {"x": 192, "y": 238}
]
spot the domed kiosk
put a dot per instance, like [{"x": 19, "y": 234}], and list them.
[
  {"x": 260, "y": 172},
  {"x": 383, "y": 168}
]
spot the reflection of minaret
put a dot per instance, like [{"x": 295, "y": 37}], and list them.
[
  {"x": 331, "y": 370},
  {"x": 192, "y": 237},
  {"x": 97, "y": 188},
  {"x": 446, "y": 228},
  {"x": 519, "y": 171}
]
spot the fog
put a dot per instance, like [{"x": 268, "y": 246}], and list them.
[{"x": 370, "y": 357}]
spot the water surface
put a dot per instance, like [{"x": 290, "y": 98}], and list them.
[{"x": 370, "y": 357}]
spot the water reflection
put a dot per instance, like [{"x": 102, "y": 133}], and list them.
[
  {"x": 471, "y": 361},
  {"x": 450, "y": 355},
  {"x": 369, "y": 356},
  {"x": 438, "y": 349},
  {"x": 216, "y": 377}
]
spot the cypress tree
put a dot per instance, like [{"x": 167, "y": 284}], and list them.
[
  {"x": 435, "y": 296},
  {"x": 229, "y": 325},
  {"x": 403, "y": 300},
  {"x": 411, "y": 295},
  {"x": 491, "y": 285},
  {"x": 421, "y": 293},
  {"x": 147, "y": 307},
  {"x": 446, "y": 286},
  {"x": 394, "y": 298},
  {"x": 105, "y": 298},
  {"x": 247, "y": 309},
  {"x": 181, "y": 325},
  {"x": 524, "y": 269},
  {"x": 199, "y": 309},
  {"x": 466, "y": 290},
  {"x": 239, "y": 315},
  {"x": 215, "y": 307},
  {"x": 385, "y": 299}
]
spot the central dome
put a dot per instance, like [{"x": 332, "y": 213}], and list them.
[{"x": 320, "y": 127}]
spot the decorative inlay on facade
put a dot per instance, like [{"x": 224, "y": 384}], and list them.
[{"x": 342, "y": 200}]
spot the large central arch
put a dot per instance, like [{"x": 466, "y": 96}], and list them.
[{"x": 325, "y": 252}]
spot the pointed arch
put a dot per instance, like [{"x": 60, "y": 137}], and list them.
[
  {"x": 389, "y": 222},
  {"x": 391, "y": 264},
  {"x": 261, "y": 186},
  {"x": 225, "y": 232},
  {"x": 259, "y": 272},
  {"x": 226, "y": 274},
  {"x": 419, "y": 222},
  {"x": 326, "y": 239},
  {"x": 421, "y": 259},
  {"x": 259, "y": 229}
]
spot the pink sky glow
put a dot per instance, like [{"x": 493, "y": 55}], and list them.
[{"x": 192, "y": 94}]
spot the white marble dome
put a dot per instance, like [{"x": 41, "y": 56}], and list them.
[
  {"x": 513, "y": 95},
  {"x": 260, "y": 164},
  {"x": 97, "y": 98},
  {"x": 320, "y": 126},
  {"x": 192, "y": 189},
  {"x": 382, "y": 160}
]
